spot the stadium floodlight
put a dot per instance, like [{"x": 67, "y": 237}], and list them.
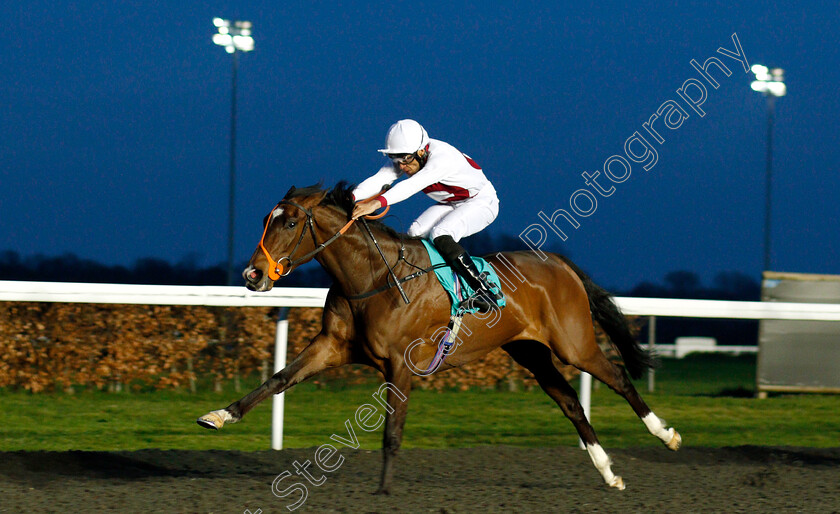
[
  {"x": 770, "y": 83},
  {"x": 235, "y": 38}
]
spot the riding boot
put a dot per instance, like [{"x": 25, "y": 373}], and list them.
[{"x": 458, "y": 258}]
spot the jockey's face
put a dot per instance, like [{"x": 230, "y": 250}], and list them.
[{"x": 412, "y": 167}]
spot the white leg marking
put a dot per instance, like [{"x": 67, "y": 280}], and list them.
[
  {"x": 656, "y": 427},
  {"x": 602, "y": 463},
  {"x": 216, "y": 419}
]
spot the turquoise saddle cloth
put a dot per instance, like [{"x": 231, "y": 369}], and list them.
[{"x": 446, "y": 276}]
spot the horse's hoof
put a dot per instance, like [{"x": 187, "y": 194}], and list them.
[
  {"x": 213, "y": 420},
  {"x": 618, "y": 483},
  {"x": 675, "y": 442}
]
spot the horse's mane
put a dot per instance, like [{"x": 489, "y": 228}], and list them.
[{"x": 341, "y": 196}]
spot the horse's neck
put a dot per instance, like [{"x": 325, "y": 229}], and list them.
[{"x": 355, "y": 264}]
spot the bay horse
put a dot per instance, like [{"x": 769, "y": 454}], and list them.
[{"x": 550, "y": 310}]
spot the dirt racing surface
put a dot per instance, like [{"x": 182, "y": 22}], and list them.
[{"x": 487, "y": 479}]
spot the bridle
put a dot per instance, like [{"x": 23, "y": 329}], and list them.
[{"x": 276, "y": 268}]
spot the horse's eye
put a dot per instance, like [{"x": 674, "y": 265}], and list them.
[{"x": 291, "y": 224}]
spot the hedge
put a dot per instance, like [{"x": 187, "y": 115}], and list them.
[{"x": 64, "y": 346}]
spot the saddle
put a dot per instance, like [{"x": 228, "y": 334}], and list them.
[{"x": 457, "y": 288}]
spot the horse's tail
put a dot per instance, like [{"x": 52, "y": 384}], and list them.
[{"x": 609, "y": 316}]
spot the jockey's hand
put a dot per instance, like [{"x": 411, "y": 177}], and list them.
[{"x": 366, "y": 207}]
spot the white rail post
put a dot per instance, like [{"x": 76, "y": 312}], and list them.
[
  {"x": 651, "y": 348},
  {"x": 281, "y": 339},
  {"x": 585, "y": 399}
]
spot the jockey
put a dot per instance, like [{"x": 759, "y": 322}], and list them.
[{"x": 466, "y": 200}]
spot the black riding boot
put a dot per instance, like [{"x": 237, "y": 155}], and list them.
[{"x": 455, "y": 255}]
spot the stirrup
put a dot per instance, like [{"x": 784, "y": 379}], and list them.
[
  {"x": 495, "y": 295},
  {"x": 481, "y": 301},
  {"x": 487, "y": 288}
]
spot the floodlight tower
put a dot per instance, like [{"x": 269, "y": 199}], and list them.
[
  {"x": 235, "y": 38},
  {"x": 770, "y": 83}
]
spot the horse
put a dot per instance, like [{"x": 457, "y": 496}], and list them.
[{"x": 550, "y": 309}]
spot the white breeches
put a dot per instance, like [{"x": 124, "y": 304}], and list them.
[{"x": 460, "y": 219}]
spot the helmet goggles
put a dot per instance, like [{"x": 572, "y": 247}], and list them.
[{"x": 402, "y": 158}]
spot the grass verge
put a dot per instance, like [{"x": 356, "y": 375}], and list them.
[{"x": 708, "y": 398}]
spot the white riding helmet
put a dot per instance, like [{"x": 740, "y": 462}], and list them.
[{"x": 405, "y": 136}]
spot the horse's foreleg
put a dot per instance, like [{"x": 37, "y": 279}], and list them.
[
  {"x": 398, "y": 383},
  {"x": 536, "y": 358},
  {"x": 322, "y": 353}
]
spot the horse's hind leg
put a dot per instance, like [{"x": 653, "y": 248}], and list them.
[
  {"x": 322, "y": 353},
  {"x": 599, "y": 366},
  {"x": 537, "y": 359}
]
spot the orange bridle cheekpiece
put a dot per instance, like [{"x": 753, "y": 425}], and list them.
[{"x": 276, "y": 268}]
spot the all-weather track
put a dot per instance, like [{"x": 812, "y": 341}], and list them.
[{"x": 484, "y": 479}]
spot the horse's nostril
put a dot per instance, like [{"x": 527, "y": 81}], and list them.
[{"x": 252, "y": 275}]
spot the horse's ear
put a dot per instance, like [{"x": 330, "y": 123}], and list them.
[
  {"x": 315, "y": 199},
  {"x": 289, "y": 192}
]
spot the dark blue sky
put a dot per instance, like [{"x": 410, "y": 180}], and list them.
[{"x": 116, "y": 117}]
